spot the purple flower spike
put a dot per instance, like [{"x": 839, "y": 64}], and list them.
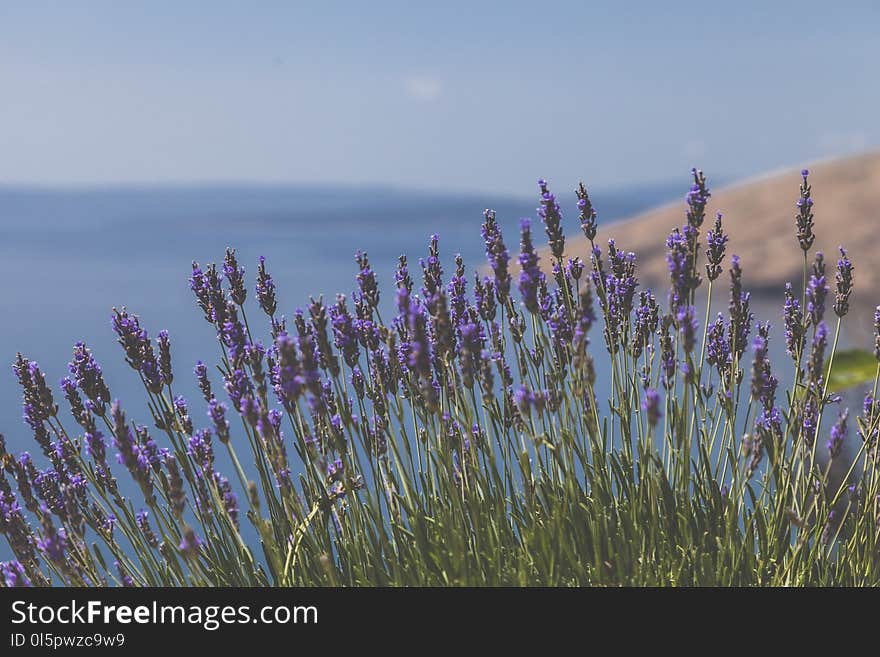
[
  {"x": 795, "y": 335},
  {"x": 587, "y": 212},
  {"x": 763, "y": 382},
  {"x": 804, "y": 217},
  {"x": 235, "y": 277},
  {"x": 138, "y": 349},
  {"x": 89, "y": 377},
  {"x": 551, "y": 215},
  {"x": 530, "y": 277},
  {"x": 817, "y": 290},
  {"x": 651, "y": 406},
  {"x": 678, "y": 259},
  {"x": 190, "y": 544},
  {"x": 877, "y": 333},
  {"x": 844, "y": 284},
  {"x": 366, "y": 280},
  {"x": 344, "y": 333},
  {"x": 13, "y": 575},
  {"x": 740, "y": 316},
  {"x": 265, "y": 289},
  {"x": 716, "y": 240},
  {"x": 697, "y": 199},
  {"x": 686, "y": 319},
  {"x": 497, "y": 255},
  {"x": 838, "y": 435}
]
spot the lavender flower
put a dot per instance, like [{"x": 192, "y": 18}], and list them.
[
  {"x": 318, "y": 313},
  {"x": 584, "y": 318},
  {"x": 265, "y": 289},
  {"x": 526, "y": 400},
  {"x": 484, "y": 298},
  {"x": 754, "y": 448},
  {"x": 497, "y": 255},
  {"x": 442, "y": 330},
  {"x": 587, "y": 212},
  {"x": 344, "y": 333},
  {"x": 217, "y": 413},
  {"x": 89, "y": 378},
  {"x": 53, "y": 544},
  {"x": 559, "y": 323},
  {"x": 816, "y": 363},
  {"x": 768, "y": 431},
  {"x": 523, "y": 399},
  {"x": 206, "y": 287},
  {"x": 39, "y": 403},
  {"x": 838, "y": 435},
  {"x": 574, "y": 268},
  {"x": 717, "y": 346},
  {"x": 233, "y": 336},
  {"x": 647, "y": 319},
  {"x": 131, "y": 454},
  {"x": 138, "y": 349},
  {"x": 763, "y": 382},
  {"x": 108, "y": 524},
  {"x": 124, "y": 576},
  {"x": 471, "y": 339},
  {"x": 551, "y": 215},
  {"x": 432, "y": 271},
  {"x": 143, "y": 523},
  {"x": 667, "y": 353},
  {"x": 201, "y": 372},
  {"x": 651, "y": 406},
  {"x": 530, "y": 276},
  {"x": 740, "y": 315},
  {"x": 165, "y": 357},
  {"x": 174, "y": 489},
  {"x": 795, "y": 335},
  {"x": 804, "y": 217},
  {"x": 678, "y": 259},
  {"x": 190, "y": 544},
  {"x": 621, "y": 280},
  {"x": 868, "y": 429},
  {"x": 456, "y": 290},
  {"x": 201, "y": 450},
  {"x": 25, "y": 476},
  {"x": 716, "y": 240},
  {"x": 401, "y": 274},
  {"x": 844, "y": 284},
  {"x": 97, "y": 449},
  {"x": 697, "y": 199},
  {"x": 415, "y": 353},
  {"x": 877, "y": 333},
  {"x": 154, "y": 454},
  {"x": 13, "y": 575},
  {"x": 817, "y": 290},
  {"x": 366, "y": 280},
  {"x": 228, "y": 497},
  {"x": 686, "y": 319},
  {"x": 235, "y": 277}
]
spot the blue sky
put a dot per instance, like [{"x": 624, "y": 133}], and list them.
[{"x": 452, "y": 95}]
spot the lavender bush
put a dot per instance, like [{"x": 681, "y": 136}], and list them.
[{"x": 462, "y": 441}]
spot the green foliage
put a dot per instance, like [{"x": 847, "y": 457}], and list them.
[{"x": 852, "y": 367}]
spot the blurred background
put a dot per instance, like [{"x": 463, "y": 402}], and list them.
[{"x": 136, "y": 137}]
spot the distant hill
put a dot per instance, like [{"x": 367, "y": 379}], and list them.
[{"x": 759, "y": 215}]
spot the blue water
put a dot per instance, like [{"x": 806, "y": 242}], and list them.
[{"x": 67, "y": 257}]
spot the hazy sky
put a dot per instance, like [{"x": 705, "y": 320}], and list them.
[{"x": 449, "y": 95}]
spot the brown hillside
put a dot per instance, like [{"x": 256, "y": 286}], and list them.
[{"x": 759, "y": 215}]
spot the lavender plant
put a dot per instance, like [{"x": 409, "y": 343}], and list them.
[{"x": 462, "y": 440}]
